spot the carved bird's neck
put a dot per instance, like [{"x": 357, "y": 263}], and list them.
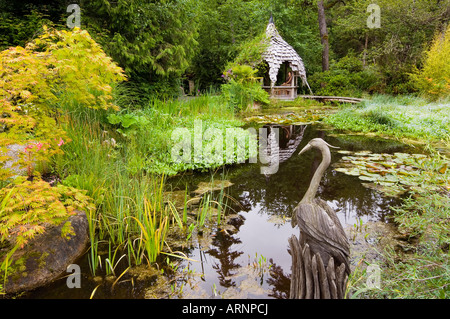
[{"x": 315, "y": 181}]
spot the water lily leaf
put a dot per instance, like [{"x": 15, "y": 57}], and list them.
[
  {"x": 393, "y": 193},
  {"x": 353, "y": 171},
  {"x": 345, "y": 152},
  {"x": 390, "y": 178},
  {"x": 389, "y": 164},
  {"x": 366, "y": 178},
  {"x": 366, "y": 173},
  {"x": 401, "y": 155},
  {"x": 359, "y": 163},
  {"x": 363, "y": 153},
  {"x": 376, "y": 171},
  {"x": 376, "y": 157},
  {"x": 341, "y": 170},
  {"x": 398, "y": 160},
  {"x": 374, "y": 166},
  {"x": 391, "y": 174}
]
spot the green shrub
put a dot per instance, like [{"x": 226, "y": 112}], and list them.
[
  {"x": 241, "y": 95},
  {"x": 347, "y": 77},
  {"x": 243, "y": 87}
]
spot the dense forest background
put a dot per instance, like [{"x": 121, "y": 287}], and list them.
[{"x": 162, "y": 44}]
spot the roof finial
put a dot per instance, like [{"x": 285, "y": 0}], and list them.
[{"x": 271, "y": 18}]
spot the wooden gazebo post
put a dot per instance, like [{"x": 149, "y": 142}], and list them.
[{"x": 294, "y": 86}]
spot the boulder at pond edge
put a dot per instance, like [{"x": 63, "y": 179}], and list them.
[{"x": 46, "y": 257}]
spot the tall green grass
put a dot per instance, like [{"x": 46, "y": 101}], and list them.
[{"x": 122, "y": 168}]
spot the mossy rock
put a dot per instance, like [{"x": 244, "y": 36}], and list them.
[{"x": 46, "y": 257}]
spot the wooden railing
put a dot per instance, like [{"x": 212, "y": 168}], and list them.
[{"x": 289, "y": 92}]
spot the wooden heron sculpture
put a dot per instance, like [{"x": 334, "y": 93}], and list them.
[{"x": 320, "y": 258}]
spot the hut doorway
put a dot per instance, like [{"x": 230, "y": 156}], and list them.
[
  {"x": 286, "y": 84},
  {"x": 284, "y": 76}
]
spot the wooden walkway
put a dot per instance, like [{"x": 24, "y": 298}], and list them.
[{"x": 332, "y": 98}]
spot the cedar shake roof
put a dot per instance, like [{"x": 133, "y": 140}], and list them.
[{"x": 280, "y": 51}]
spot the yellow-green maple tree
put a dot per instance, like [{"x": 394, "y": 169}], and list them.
[
  {"x": 434, "y": 78},
  {"x": 34, "y": 79},
  {"x": 27, "y": 207}
]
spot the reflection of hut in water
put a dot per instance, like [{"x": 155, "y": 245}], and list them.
[
  {"x": 281, "y": 142},
  {"x": 282, "y": 60},
  {"x": 290, "y": 138}
]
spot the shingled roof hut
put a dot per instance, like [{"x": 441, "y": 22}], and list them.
[{"x": 278, "y": 53}]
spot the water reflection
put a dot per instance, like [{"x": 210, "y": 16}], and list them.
[
  {"x": 280, "y": 193},
  {"x": 226, "y": 256},
  {"x": 262, "y": 226},
  {"x": 263, "y": 197}
]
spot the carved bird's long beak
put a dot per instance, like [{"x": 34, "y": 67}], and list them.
[
  {"x": 306, "y": 148},
  {"x": 331, "y": 145},
  {"x": 309, "y": 146}
]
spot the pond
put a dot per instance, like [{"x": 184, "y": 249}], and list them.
[
  {"x": 249, "y": 257},
  {"x": 253, "y": 261}
]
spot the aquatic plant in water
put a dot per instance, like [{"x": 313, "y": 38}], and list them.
[{"x": 395, "y": 174}]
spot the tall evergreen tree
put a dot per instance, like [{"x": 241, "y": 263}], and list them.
[{"x": 149, "y": 39}]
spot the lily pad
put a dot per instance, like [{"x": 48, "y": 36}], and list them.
[
  {"x": 366, "y": 178},
  {"x": 353, "y": 171},
  {"x": 345, "y": 152},
  {"x": 204, "y": 187},
  {"x": 391, "y": 174},
  {"x": 363, "y": 153}
]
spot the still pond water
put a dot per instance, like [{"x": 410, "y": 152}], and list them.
[{"x": 249, "y": 259}]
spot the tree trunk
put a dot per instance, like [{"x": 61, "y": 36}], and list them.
[
  {"x": 323, "y": 37},
  {"x": 365, "y": 50}
]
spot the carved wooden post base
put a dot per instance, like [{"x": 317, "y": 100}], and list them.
[{"x": 310, "y": 278}]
